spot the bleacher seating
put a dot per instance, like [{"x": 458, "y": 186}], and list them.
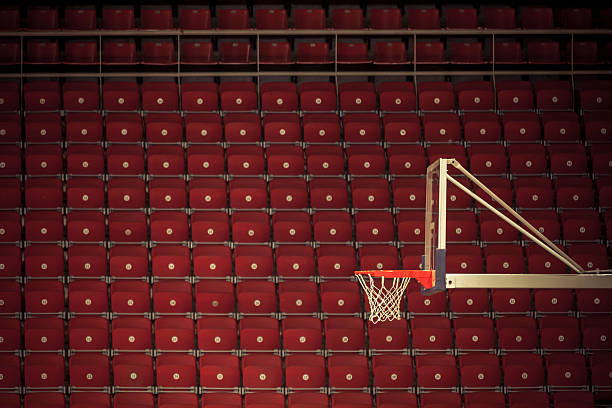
[{"x": 189, "y": 242}]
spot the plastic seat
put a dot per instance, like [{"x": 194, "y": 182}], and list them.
[
  {"x": 466, "y": 53},
  {"x": 514, "y": 95},
  {"x": 305, "y": 371},
  {"x": 425, "y": 304},
  {"x": 233, "y": 18},
  {"x": 560, "y": 127},
  {"x": 247, "y": 193},
  {"x": 42, "y": 128},
  {"x": 295, "y": 261},
  {"x": 469, "y": 301},
  {"x": 370, "y": 193},
  {"x": 347, "y": 18},
  {"x": 165, "y": 160},
  {"x": 431, "y": 333},
  {"x": 348, "y": 371},
  {"x": 357, "y": 96},
  {"x": 121, "y": 96},
  {"x": 257, "y": 297},
  {"x": 582, "y": 399},
  {"x": 235, "y": 52},
  {"x": 285, "y": 160},
  {"x": 80, "y": 52},
  {"x": 559, "y": 332},
  {"x": 214, "y": 297},
  {"x": 385, "y": 18},
  {"x": 445, "y": 150},
  {"x": 44, "y": 297},
  {"x": 475, "y": 96},
  {"x": 317, "y": 96},
  {"x": 392, "y": 371},
  {"x": 408, "y": 193},
  {"x": 217, "y": 333},
  {"x": 205, "y": 161},
  {"x": 130, "y": 297},
  {"x": 172, "y": 297},
  {"x": 581, "y": 225},
  {"x": 600, "y": 157},
  {"x": 175, "y": 371},
  {"x": 259, "y": 333},
  {"x": 474, "y": 333},
  {"x": 533, "y": 192},
  {"x": 133, "y": 370},
  {"x": 313, "y": 53},
  {"x": 600, "y": 369},
  {"x": 462, "y": 226},
  {"x": 406, "y": 160},
  {"x": 324, "y": 160},
  {"x": 219, "y": 371},
  {"x": 507, "y": 52},
  {"x": 11, "y": 53},
  {"x": 321, "y": 127},
  {"x": 574, "y": 192},
  {"x": 535, "y": 17},
  {"x": 387, "y": 336},
  {"x": 378, "y": 256},
  {"x": 171, "y": 399},
  {"x": 42, "y": 96},
  {"x": 499, "y": 17},
  {"x": 44, "y": 261},
  {"x": 264, "y": 399},
  {"x": 89, "y": 370},
  {"x": 126, "y": 192},
  {"x": 462, "y": 18},
  {"x": 352, "y": 53},
  {"x": 49, "y": 399},
  {"x": 160, "y": 96},
  {"x": 127, "y": 226},
  {"x": 328, "y": 193},
  {"x": 156, "y": 18},
  {"x": 271, "y": 19},
  {"x": 199, "y": 96},
  {"x": 170, "y": 261},
  {"x": 511, "y": 301},
  {"x": 309, "y": 18},
  {"x": 118, "y": 17},
  {"x": 89, "y": 227},
  {"x": 594, "y": 95},
  {"x": 595, "y": 127},
  {"x": 222, "y": 400},
  {"x": 553, "y": 95},
  {"x": 42, "y": 51},
  {"x": 517, "y": 333},
  {"x": 10, "y": 331},
  {"x": 134, "y": 399},
  {"x": 523, "y": 370},
  {"x": 213, "y": 261},
  {"x": 11, "y": 371},
  {"x": 131, "y": 333},
  {"x": 194, "y": 17},
  {"x": 543, "y": 52},
  {"x": 493, "y": 229},
  {"x": 592, "y": 300},
  {"x": 83, "y": 127},
  {"x": 10, "y": 18},
  {"x": 261, "y": 371},
  {"x": 332, "y": 226},
  {"x": 291, "y": 227},
  {"x": 487, "y": 159},
  {"x": 279, "y": 97},
  {"x": 128, "y": 262},
  {"x": 10, "y": 256},
  {"x": 423, "y": 18},
  {"x": 441, "y": 128},
  {"x": 396, "y": 96},
  {"x": 88, "y": 333},
  {"x": 250, "y": 227},
  {"x": 302, "y": 333},
  {"x": 242, "y": 127},
  {"x": 119, "y": 52},
  {"x": 576, "y": 18},
  {"x": 479, "y": 370},
  {"x": 374, "y": 226},
  {"x": 335, "y": 260},
  {"x": 554, "y": 300},
  {"x": 93, "y": 399},
  {"x": 245, "y": 160},
  {"x": 396, "y": 399},
  {"x": 390, "y": 53},
  {"x": 504, "y": 258},
  {"x": 42, "y": 370},
  {"x": 10, "y": 225},
  {"x": 585, "y": 52},
  {"x": 87, "y": 297},
  {"x": 361, "y": 127},
  {"x": 167, "y": 193},
  {"x": 340, "y": 297},
  {"x": 436, "y": 371},
  {"x": 567, "y": 159},
  {"x": 430, "y": 52},
  {"x": 197, "y": 52},
  {"x": 298, "y": 297},
  {"x": 210, "y": 227},
  {"x": 39, "y": 193},
  {"x": 11, "y": 297},
  {"x": 44, "y": 334},
  {"x": 80, "y": 18}
]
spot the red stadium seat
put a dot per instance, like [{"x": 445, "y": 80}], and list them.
[
  {"x": 271, "y": 18},
  {"x": 309, "y": 18},
  {"x": 423, "y": 18},
  {"x": 80, "y": 18},
  {"x": 194, "y": 17}
]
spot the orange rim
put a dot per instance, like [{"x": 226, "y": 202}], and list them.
[{"x": 425, "y": 277}]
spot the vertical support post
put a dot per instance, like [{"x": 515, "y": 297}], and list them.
[{"x": 442, "y": 205}]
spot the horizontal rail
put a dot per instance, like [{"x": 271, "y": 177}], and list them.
[
  {"x": 299, "y": 73},
  {"x": 529, "y": 281},
  {"x": 253, "y": 32}
]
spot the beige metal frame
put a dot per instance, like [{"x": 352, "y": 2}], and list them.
[{"x": 581, "y": 279}]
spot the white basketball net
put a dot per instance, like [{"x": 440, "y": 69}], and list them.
[{"x": 385, "y": 301}]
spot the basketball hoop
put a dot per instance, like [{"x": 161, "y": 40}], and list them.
[{"x": 385, "y": 300}]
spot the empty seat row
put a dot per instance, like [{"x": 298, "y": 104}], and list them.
[
  {"x": 292, "y": 261},
  {"x": 162, "y": 52},
  {"x": 249, "y": 227},
  {"x": 509, "y": 95},
  {"x": 310, "y": 399},
  {"x": 345, "y": 371},
  {"x": 239, "y": 18},
  {"x": 423, "y": 334}
]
